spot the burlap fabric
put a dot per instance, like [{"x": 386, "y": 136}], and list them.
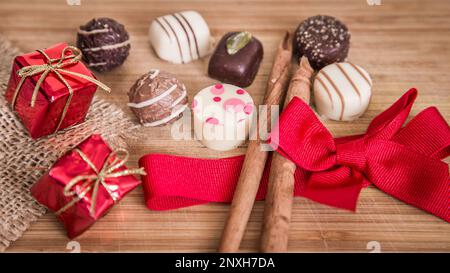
[{"x": 23, "y": 160}]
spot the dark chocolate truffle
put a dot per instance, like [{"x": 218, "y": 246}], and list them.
[
  {"x": 158, "y": 98},
  {"x": 323, "y": 40},
  {"x": 236, "y": 59},
  {"x": 104, "y": 42}
]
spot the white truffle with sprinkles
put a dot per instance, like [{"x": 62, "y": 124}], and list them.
[
  {"x": 323, "y": 40},
  {"x": 342, "y": 91},
  {"x": 104, "y": 42},
  {"x": 180, "y": 37}
]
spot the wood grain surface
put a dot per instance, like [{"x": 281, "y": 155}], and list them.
[{"x": 401, "y": 43}]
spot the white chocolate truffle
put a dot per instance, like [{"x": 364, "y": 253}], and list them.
[
  {"x": 223, "y": 115},
  {"x": 342, "y": 91},
  {"x": 180, "y": 37}
]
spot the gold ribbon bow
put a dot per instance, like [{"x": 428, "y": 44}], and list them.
[
  {"x": 56, "y": 66},
  {"x": 92, "y": 182}
]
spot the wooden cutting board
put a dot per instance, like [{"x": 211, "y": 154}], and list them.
[{"x": 402, "y": 44}]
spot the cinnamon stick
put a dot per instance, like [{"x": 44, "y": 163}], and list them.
[
  {"x": 280, "y": 191},
  {"x": 255, "y": 158}
]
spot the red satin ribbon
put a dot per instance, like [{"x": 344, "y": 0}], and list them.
[{"x": 404, "y": 162}]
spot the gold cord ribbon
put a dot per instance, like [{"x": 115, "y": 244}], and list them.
[
  {"x": 93, "y": 181},
  {"x": 56, "y": 66}
]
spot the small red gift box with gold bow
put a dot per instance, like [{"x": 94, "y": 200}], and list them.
[
  {"x": 85, "y": 183},
  {"x": 51, "y": 89}
]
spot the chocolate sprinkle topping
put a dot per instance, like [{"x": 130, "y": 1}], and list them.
[{"x": 323, "y": 40}]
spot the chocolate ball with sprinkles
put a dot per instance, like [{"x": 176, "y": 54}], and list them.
[
  {"x": 105, "y": 44},
  {"x": 323, "y": 40},
  {"x": 158, "y": 98}
]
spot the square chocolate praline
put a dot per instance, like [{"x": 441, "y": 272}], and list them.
[{"x": 240, "y": 68}]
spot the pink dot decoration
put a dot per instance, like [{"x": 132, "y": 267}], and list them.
[
  {"x": 194, "y": 103},
  {"x": 248, "y": 109},
  {"x": 212, "y": 120},
  {"x": 217, "y": 89},
  {"x": 240, "y": 91},
  {"x": 235, "y": 104},
  {"x": 217, "y": 99}
]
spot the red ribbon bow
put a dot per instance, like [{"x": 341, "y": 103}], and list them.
[{"x": 405, "y": 162}]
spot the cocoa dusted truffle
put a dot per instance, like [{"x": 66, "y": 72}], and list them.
[
  {"x": 104, "y": 42},
  {"x": 158, "y": 98},
  {"x": 323, "y": 40},
  {"x": 236, "y": 59}
]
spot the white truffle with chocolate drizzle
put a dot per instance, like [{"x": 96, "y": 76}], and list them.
[
  {"x": 180, "y": 37},
  {"x": 157, "y": 98},
  {"x": 342, "y": 91}
]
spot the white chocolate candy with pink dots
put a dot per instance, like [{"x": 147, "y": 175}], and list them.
[{"x": 223, "y": 114}]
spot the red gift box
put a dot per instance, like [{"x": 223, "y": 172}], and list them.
[
  {"x": 53, "y": 106},
  {"x": 84, "y": 184}
]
